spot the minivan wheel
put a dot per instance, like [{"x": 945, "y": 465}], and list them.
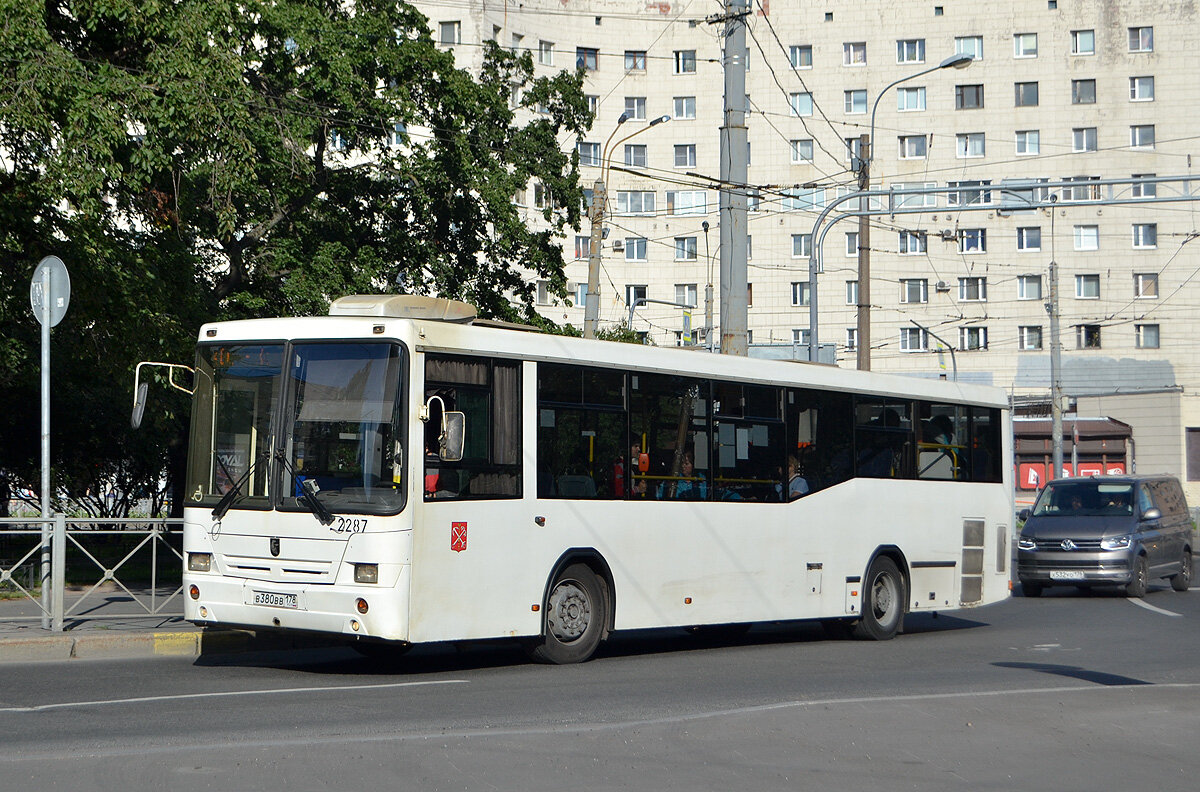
[
  {"x": 1031, "y": 589},
  {"x": 1182, "y": 580},
  {"x": 1136, "y": 588}
]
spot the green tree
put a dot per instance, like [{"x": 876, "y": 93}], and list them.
[{"x": 205, "y": 159}]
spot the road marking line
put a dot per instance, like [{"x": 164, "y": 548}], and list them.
[
  {"x": 1150, "y": 607},
  {"x": 221, "y": 693}
]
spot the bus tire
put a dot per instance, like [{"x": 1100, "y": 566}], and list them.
[
  {"x": 575, "y": 619},
  {"x": 883, "y": 598}
]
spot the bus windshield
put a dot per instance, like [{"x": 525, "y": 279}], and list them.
[{"x": 337, "y": 428}]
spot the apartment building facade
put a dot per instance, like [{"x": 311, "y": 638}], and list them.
[{"x": 1055, "y": 90}]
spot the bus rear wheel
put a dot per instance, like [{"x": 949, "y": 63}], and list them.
[
  {"x": 575, "y": 620},
  {"x": 883, "y": 598}
]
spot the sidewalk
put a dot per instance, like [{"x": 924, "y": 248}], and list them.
[{"x": 110, "y": 624}]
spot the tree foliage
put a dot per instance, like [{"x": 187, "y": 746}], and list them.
[{"x": 194, "y": 160}]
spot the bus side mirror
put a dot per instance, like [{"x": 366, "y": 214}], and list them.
[
  {"x": 139, "y": 405},
  {"x": 453, "y": 437}
]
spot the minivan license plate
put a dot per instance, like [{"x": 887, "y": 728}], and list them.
[
  {"x": 1061, "y": 575},
  {"x": 274, "y": 600}
]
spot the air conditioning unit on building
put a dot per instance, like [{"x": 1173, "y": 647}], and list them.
[
  {"x": 618, "y": 245},
  {"x": 948, "y": 235},
  {"x": 942, "y": 286}
]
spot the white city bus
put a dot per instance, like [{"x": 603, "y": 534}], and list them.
[{"x": 398, "y": 473}]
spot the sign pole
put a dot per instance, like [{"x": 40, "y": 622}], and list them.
[{"x": 45, "y": 570}]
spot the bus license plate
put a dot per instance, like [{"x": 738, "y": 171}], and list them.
[
  {"x": 274, "y": 600},
  {"x": 1066, "y": 575}
]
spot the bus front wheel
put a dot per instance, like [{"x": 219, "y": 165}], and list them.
[
  {"x": 575, "y": 618},
  {"x": 883, "y": 598}
]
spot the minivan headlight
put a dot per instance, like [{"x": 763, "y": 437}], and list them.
[
  {"x": 1116, "y": 543},
  {"x": 1025, "y": 543}
]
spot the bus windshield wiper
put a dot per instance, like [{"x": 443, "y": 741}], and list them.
[
  {"x": 234, "y": 491},
  {"x": 308, "y": 491}
]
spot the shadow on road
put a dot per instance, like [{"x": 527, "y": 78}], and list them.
[{"x": 1075, "y": 672}]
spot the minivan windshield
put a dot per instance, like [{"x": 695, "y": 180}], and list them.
[{"x": 1085, "y": 498}]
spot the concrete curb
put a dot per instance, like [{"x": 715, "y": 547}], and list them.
[{"x": 153, "y": 643}]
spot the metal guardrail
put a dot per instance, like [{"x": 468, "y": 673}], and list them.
[{"x": 140, "y": 556}]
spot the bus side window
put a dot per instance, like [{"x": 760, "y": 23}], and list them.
[
  {"x": 581, "y": 449},
  {"x": 668, "y": 419},
  {"x": 748, "y": 443},
  {"x": 883, "y": 438}
]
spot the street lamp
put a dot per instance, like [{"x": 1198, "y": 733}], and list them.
[
  {"x": 591, "y": 311},
  {"x": 865, "y": 155}
]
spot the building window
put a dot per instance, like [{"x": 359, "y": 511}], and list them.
[
  {"x": 802, "y": 150},
  {"x": 1083, "y": 42},
  {"x": 685, "y": 293},
  {"x": 593, "y": 103},
  {"x": 685, "y": 61},
  {"x": 1087, "y": 237},
  {"x": 1141, "y": 39},
  {"x": 968, "y": 97},
  {"x": 852, "y": 243},
  {"x": 1141, "y": 136},
  {"x": 969, "y": 193},
  {"x": 800, "y": 293},
  {"x": 1141, "y": 89},
  {"x": 855, "y": 101},
  {"x": 854, "y": 53},
  {"x": 912, "y": 290},
  {"x": 1084, "y": 191},
  {"x": 1029, "y": 338},
  {"x": 851, "y": 339},
  {"x": 1087, "y": 287},
  {"x": 635, "y": 60},
  {"x": 635, "y": 108},
  {"x": 804, "y": 198},
  {"x": 635, "y": 155},
  {"x": 1026, "y": 94},
  {"x": 541, "y": 196},
  {"x": 635, "y": 202},
  {"x": 1029, "y": 238},
  {"x": 910, "y": 99},
  {"x": 914, "y": 200},
  {"x": 972, "y": 289},
  {"x": 913, "y": 339},
  {"x": 1147, "y": 336},
  {"x": 802, "y": 104},
  {"x": 685, "y": 107},
  {"x": 970, "y": 145},
  {"x": 851, "y": 292},
  {"x": 1029, "y": 287},
  {"x": 1145, "y": 285},
  {"x": 543, "y": 292},
  {"x": 853, "y": 148},
  {"x": 546, "y": 53},
  {"x": 1083, "y": 139},
  {"x": 685, "y": 155},
  {"x": 1028, "y": 141},
  {"x": 969, "y": 45},
  {"x": 912, "y": 243},
  {"x": 972, "y": 240},
  {"x": 685, "y": 248},
  {"x": 1025, "y": 45},
  {"x": 910, "y": 51},
  {"x": 687, "y": 202},
  {"x": 583, "y": 246},
  {"x": 1143, "y": 189},
  {"x": 1145, "y": 235},
  {"x": 801, "y": 245},
  {"x": 449, "y": 33},
  {"x": 970, "y": 338},
  {"x": 800, "y": 56},
  {"x": 1087, "y": 336},
  {"x": 581, "y": 294},
  {"x": 1083, "y": 92},
  {"x": 635, "y": 248},
  {"x": 587, "y": 58},
  {"x": 589, "y": 153},
  {"x": 913, "y": 146}
]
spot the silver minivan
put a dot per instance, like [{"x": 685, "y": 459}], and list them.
[{"x": 1106, "y": 530}]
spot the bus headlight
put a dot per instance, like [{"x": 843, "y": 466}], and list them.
[
  {"x": 199, "y": 562},
  {"x": 366, "y": 573},
  {"x": 1116, "y": 543}
]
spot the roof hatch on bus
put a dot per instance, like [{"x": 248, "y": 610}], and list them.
[{"x": 403, "y": 306}]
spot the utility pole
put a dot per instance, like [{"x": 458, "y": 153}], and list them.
[
  {"x": 708, "y": 292},
  {"x": 591, "y": 310},
  {"x": 864, "y": 256},
  {"x": 733, "y": 183},
  {"x": 1056, "y": 426}
]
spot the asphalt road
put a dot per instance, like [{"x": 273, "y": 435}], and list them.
[{"x": 1067, "y": 692}]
